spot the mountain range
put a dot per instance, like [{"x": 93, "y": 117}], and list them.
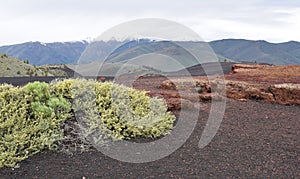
[
  {"x": 38, "y": 53},
  {"x": 238, "y": 50},
  {"x": 260, "y": 51}
]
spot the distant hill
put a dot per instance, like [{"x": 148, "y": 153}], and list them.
[
  {"x": 238, "y": 50},
  {"x": 211, "y": 68},
  {"x": 291, "y": 47},
  {"x": 164, "y": 55},
  {"x": 258, "y": 51},
  {"x": 38, "y": 53},
  {"x": 12, "y": 67},
  {"x": 97, "y": 51},
  {"x": 110, "y": 69}
]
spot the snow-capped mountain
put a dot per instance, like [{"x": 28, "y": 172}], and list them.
[
  {"x": 38, "y": 53},
  {"x": 113, "y": 50}
]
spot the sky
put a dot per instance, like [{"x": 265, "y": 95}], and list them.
[{"x": 71, "y": 20}]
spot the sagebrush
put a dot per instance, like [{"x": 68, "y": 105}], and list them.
[
  {"x": 30, "y": 121},
  {"x": 39, "y": 116}
]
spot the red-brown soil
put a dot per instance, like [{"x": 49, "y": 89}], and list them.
[
  {"x": 265, "y": 74},
  {"x": 272, "y": 84}
]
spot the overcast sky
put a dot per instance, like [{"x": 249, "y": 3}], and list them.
[{"x": 68, "y": 20}]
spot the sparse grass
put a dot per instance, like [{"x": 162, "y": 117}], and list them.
[
  {"x": 53, "y": 70},
  {"x": 11, "y": 67}
]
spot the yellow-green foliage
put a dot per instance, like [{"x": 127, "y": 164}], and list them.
[
  {"x": 30, "y": 119},
  {"x": 118, "y": 111}
]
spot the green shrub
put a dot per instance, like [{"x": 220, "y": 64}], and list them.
[
  {"x": 30, "y": 120},
  {"x": 118, "y": 111},
  {"x": 129, "y": 113},
  {"x": 5, "y": 87},
  {"x": 63, "y": 88},
  {"x": 36, "y": 116}
]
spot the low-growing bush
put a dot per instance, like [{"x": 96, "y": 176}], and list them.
[
  {"x": 39, "y": 116},
  {"x": 118, "y": 111},
  {"x": 30, "y": 120}
]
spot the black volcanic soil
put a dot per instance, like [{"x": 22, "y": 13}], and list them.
[
  {"x": 21, "y": 81},
  {"x": 255, "y": 140},
  {"x": 211, "y": 68}
]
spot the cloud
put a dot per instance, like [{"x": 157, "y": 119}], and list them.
[{"x": 63, "y": 20}]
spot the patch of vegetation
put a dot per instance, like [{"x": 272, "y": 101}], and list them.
[
  {"x": 121, "y": 112},
  {"x": 11, "y": 67},
  {"x": 4, "y": 56},
  {"x": 30, "y": 119},
  {"x": 55, "y": 116},
  {"x": 52, "y": 70}
]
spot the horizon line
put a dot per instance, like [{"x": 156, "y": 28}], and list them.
[{"x": 89, "y": 41}]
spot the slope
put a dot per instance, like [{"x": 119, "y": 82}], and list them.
[
  {"x": 256, "y": 51},
  {"x": 38, "y": 53},
  {"x": 11, "y": 67}
]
